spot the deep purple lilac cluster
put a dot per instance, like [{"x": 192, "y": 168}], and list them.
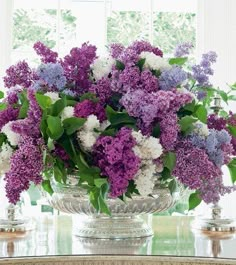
[
  {"x": 26, "y": 166},
  {"x": 19, "y": 74},
  {"x": 76, "y": 67},
  {"x": 87, "y": 107},
  {"x": 31, "y": 125},
  {"x": 46, "y": 54},
  {"x": 102, "y": 89},
  {"x": 116, "y": 159}
]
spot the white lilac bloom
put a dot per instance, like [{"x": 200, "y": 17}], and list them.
[
  {"x": 145, "y": 178},
  {"x": 154, "y": 62},
  {"x": 5, "y": 156},
  {"x": 54, "y": 96},
  {"x": 87, "y": 135},
  {"x": 68, "y": 112},
  {"x": 201, "y": 129},
  {"x": 12, "y": 137},
  {"x": 147, "y": 148},
  {"x": 102, "y": 67}
]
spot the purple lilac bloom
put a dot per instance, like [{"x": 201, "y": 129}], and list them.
[
  {"x": 26, "y": 166},
  {"x": 70, "y": 93},
  {"x": 130, "y": 55},
  {"x": 183, "y": 49},
  {"x": 46, "y": 54},
  {"x": 116, "y": 159},
  {"x": 51, "y": 75},
  {"x": 172, "y": 78},
  {"x": 76, "y": 67},
  {"x": 201, "y": 95},
  {"x": 30, "y": 126},
  {"x": 211, "y": 56},
  {"x": 129, "y": 78},
  {"x": 19, "y": 74},
  {"x": 169, "y": 131},
  {"x": 154, "y": 105},
  {"x": 12, "y": 96},
  {"x": 9, "y": 114},
  {"x": 102, "y": 89},
  {"x": 149, "y": 82},
  {"x": 195, "y": 170},
  {"x": 87, "y": 107},
  {"x": 116, "y": 49},
  {"x": 216, "y": 122}
]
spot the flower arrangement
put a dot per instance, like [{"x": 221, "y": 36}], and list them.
[{"x": 121, "y": 124}]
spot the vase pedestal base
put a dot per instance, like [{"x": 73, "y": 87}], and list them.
[
  {"x": 112, "y": 228},
  {"x": 15, "y": 223}
]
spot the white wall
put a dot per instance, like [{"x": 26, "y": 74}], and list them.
[{"x": 217, "y": 31}]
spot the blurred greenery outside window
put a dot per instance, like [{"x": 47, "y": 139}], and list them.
[{"x": 165, "y": 30}]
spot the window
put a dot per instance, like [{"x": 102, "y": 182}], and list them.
[{"x": 62, "y": 24}]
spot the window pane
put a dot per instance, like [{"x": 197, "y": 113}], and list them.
[
  {"x": 171, "y": 29},
  {"x": 126, "y": 26}
]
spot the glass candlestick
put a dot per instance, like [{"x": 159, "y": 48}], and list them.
[{"x": 11, "y": 218}]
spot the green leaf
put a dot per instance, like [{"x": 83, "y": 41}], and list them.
[
  {"x": 3, "y": 106},
  {"x": 50, "y": 144},
  {"x": 57, "y": 174},
  {"x": 90, "y": 96},
  {"x": 55, "y": 128},
  {"x": 223, "y": 95},
  {"x": 194, "y": 201},
  {"x": 191, "y": 106},
  {"x": 103, "y": 208},
  {"x": 232, "y": 169},
  {"x": 24, "y": 110},
  {"x": 72, "y": 124},
  {"x": 178, "y": 61},
  {"x": 223, "y": 114},
  {"x": 186, "y": 123},
  {"x": 58, "y": 107},
  {"x": 201, "y": 113},
  {"x": 47, "y": 186},
  {"x": 166, "y": 174},
  {"x": 119, "y": 65},
  {"x": 172, "y": 186},
  {"x": 170, "y": 161},
  {"x": 109, "y": 132},
  {"x": 141, "y": 63},
  {"x": 3, "y": 138},
  {"x": 1, "y": 94},
  {"x": 43, "y": 101},
  {"x": 117, "y": 118},
  {"x": 156, "y": 132},
  {"x": 232, "y": 97},
  {"x": 232, "y": 130},
  {"x": 233, "y": 87},
  {"x": 99, "y": 182}
]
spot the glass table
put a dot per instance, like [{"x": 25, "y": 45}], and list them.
[{"x": 52, "y": 242}]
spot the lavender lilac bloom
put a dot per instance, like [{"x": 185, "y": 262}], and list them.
[
  {"x": 26, "y": 166},
  {"x": 202, "y": 71},
  {"x": 183, "y": 49},
  {"x": 115, "y": 158},
  {"x": 102, "y": 89},
  {"x": 50, "y": 75},
  {"x": 172, "y": 78}
]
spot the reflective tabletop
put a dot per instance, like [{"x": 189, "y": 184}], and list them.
[{"x": 173, "y": 236}]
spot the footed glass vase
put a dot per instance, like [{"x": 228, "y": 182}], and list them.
[{"x": 125, "y": 220}]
